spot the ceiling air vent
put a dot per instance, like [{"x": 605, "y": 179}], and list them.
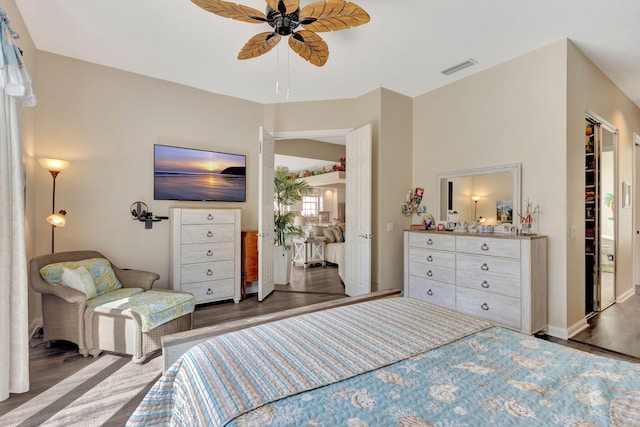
[{"x": 461, "y": 66}]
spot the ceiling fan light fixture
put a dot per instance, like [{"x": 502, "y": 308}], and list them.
[
  {"x": 459, "y": 67},
  {"x": 284, "y": 17}
]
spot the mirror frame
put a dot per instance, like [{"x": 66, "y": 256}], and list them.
[{"x": 515, "y": 169}]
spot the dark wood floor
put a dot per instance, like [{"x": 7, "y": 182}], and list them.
[
  {"x": 616, "y": 329},
  {"x": 308, "y": 286}
]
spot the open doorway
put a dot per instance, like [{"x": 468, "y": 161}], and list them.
[
  {"x": 358, "y": 206},
  {"x": 601, "y": 206},
  {"x": 317, "y": 267}
]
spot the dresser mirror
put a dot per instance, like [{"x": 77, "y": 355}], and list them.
[{"x": 487, "y": 196}]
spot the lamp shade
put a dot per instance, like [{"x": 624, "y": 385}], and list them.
[
  {"x": 58, "y": 219},
  {"x": 475, "y": 198},
  {"x": 298, "y": 221},
  {"x": 54, "y": 165}
]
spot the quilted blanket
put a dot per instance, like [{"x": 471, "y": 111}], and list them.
[
  {"x": 229, "y": 375},
  {"x": 496, "y": 377}
]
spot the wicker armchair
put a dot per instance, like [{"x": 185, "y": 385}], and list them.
[{"x": 63, "y": 307}]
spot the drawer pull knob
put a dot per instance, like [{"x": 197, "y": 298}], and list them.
[
  {"x": 484, "y": 247},
  {"x": 429, "y": 258},
  {"x": 485, "y": 307},
  {"x": 210, "y": 217},
  {"x": 209, "y": 291},
  {"x": 209, "y": 253},
  {"x": 429, "y": 242},
  {"x": 484, "y": 267},
  {"x": 209, "y": 272},
  {"x": 429, "y": 273},
  {"x": 429, "y": 292},
  {"x": 485, "y": 284},
  {"x": 209, "y": 234}
]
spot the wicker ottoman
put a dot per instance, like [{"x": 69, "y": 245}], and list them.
[{"x": 134, "y": 325}]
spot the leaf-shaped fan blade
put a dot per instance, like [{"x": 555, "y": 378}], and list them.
[
  {"x": 259, "y": 44},
  {"x": 332, "y": 15},
  {"x": 232, "y": 10},
  {"x": 284, "y": 6},
  {"x": 310, "y": 46}
]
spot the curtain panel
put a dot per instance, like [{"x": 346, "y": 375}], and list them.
[{"x": 16, "y": 91}]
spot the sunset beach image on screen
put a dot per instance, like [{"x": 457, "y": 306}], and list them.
[{"x": 200, "y": 175}]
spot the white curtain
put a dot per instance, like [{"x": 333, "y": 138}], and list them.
[{"x": 16, "y": 90}]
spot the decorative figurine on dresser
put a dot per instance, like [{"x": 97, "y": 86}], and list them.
[
  {"x": 502, "y": 278},
  {"x": 205, "y": 253}
]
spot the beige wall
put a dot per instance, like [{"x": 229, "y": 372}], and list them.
[
  {"x": 512, "y": 113},
  {"x": 390, "y": 116},
  {"x": 310, "y": 149},
  {"x": 106, "y": 122},
  {"x": 590, "y": 91},
  {"x": 393, "y": 177}
]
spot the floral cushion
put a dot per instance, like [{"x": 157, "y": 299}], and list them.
[
  {"x": 155, "y": 307},
  {"x": 118, "y": 294},
  {"x": 100, "y": 268}
]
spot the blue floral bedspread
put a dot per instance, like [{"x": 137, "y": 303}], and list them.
[{"x": 496, "y": 377}]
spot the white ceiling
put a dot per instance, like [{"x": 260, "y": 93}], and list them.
[{"x": 403, "y": 48}]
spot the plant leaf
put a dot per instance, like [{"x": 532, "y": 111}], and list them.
[
  {"x": 310, "y": 46},
  {"x": 332, "y": 15},
  {"x": 287, "y": 192},
  {"x": 258, "y": 45},
  {"x": 232, "y": 10}
]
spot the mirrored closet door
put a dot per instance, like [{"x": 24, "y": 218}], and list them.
[{"x": 600, "y": 215}]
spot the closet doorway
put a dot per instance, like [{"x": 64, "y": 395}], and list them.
[{"x": 601, "y": 207}]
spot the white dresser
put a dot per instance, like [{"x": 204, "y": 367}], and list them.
[
  {"x": 205, "y": 253},
  {"x": 498, "y": 277}
]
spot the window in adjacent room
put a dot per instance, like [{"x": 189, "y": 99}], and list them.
[{"x": 310, "y": 205}]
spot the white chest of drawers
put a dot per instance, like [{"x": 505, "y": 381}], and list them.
[
  {"x": 500, "y": 278},
  {"x": 205, "y": 253}
]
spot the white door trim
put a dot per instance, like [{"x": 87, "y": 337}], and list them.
[{"x": 635, "y": 207}]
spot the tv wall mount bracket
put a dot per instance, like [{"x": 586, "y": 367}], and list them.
[{"x": 140, "y": 212}]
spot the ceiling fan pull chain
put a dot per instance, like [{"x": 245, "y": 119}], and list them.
[
  {"x": 288, "y": 71},
  {"x": 277, "y": 70}
]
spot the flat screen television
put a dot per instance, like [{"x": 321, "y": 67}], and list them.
[{"x": 189, "y": 174}]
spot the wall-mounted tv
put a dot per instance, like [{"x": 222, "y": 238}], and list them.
[{"x": 190, "y": 174}]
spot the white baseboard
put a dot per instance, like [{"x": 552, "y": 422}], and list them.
[
  {"x": 631, "y": 292},
  {"x": 554, "y": 331},
  {"x": 578, "y": 327},
  {"x": 565, "y": 334}
]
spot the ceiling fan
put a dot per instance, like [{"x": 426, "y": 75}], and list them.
[{"x": 285, "y": 16}]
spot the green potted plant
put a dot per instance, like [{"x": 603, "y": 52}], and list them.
[{"x": 287, "y": 192}]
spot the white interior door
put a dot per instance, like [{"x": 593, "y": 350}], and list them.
[
  {"x": 265, "y": 215},
  {"x": 358, "y": 212}
]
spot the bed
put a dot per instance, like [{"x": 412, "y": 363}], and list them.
[{"x": 390, "y": 362}]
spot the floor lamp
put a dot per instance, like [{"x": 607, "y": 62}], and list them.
[
  {"x": 475, "y": 208},
  {"x": 55, "y": 166}
]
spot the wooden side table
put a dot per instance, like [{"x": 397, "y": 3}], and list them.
[
  {"x": 249, "y": 267},
  {"x": 308, "y": 251}
]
